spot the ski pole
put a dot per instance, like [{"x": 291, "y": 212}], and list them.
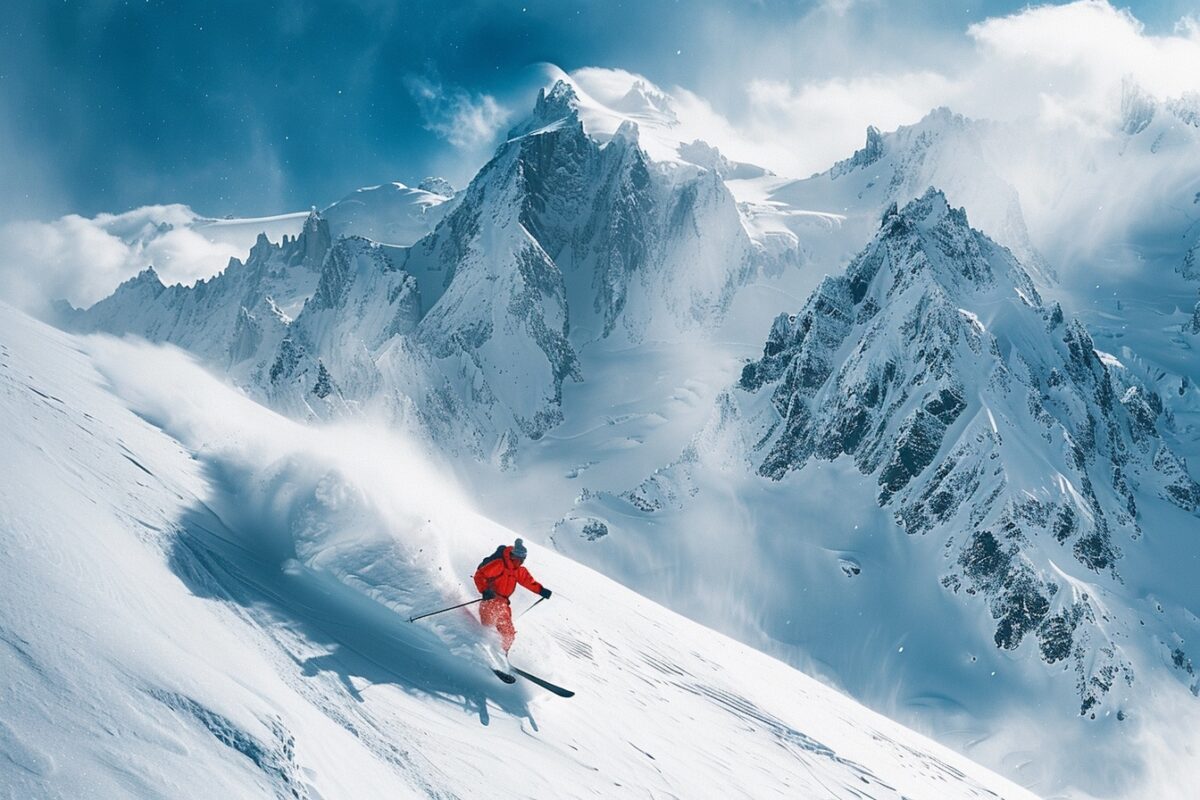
[
  {"x": 526, "y": 611},
  {"x": 451, "y": 608}
]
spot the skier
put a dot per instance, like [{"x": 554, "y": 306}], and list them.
[{"x": 496, "y": 578}]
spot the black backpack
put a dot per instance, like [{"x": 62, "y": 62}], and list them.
[{"x": 498, "y": 554}]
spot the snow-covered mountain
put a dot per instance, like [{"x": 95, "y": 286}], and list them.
[
  {"x": 390, "y": 213},
  {"x": 935, "y": 366},
  {"x": 558, "y": 241},
  {"x": 212, "y": 601},
  {"x": 1125, "y": 260},
  {"x": 996, "y": 474},
  {"x": 608, "y": 100}
]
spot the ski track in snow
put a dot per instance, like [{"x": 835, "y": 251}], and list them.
[{"x": 224, "y": 613}]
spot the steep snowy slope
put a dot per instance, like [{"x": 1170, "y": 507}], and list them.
[
  {"x": 1012, "y": 530},
  {"x": 222, "y": 613}
]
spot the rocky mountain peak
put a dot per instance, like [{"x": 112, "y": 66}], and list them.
[
  {"x": 436, "y": 185},
  {"x": 560, "y": 104},
  {"x": 626, "y": 133},
  {"x": 930, "y": 240},
  {"x": 645, "y": 100},
  {"x": 312, "y": 244},
  {"x": 1186, "y": 108},
  {"x": 868, "y": 154},
  {"x": 147, "y": 277}
]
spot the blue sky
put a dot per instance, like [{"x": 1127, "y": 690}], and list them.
[{"x": 253, "y": 108}]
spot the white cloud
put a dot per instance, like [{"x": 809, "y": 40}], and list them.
[
  {"x": 82, "y": 259},
  {"x": 1068, "y": 63},
  {"x": 1061, "y": 67},
  {"x": 825, "y": 119},
  {"x": 464, "y": 119}
]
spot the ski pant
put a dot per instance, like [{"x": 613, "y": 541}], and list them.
[{"x": 497, "y": 613}]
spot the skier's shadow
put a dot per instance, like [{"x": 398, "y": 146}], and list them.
[
  {"x": 366, "y": 643},
  {"x": 344, "y": 663}
]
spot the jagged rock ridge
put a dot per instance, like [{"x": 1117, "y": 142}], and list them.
[{"x": 934, "y": 364}]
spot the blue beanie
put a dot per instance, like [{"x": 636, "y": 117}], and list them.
[{"x": 519, "y": 550}]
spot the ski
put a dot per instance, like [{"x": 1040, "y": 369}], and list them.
[
  {"x": 550, "y": 687},
  {"x": 504, "y": 676}
]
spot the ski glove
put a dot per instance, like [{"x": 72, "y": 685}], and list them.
[
  {"x": 488, "y": 594},
  {"x": 545, "y": 593}
]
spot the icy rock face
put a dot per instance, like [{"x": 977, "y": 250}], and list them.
[
  {"x": 615, "y": 242},
  {"x": 871, "y": 152},
  {"x": 935, "y": 366},
  {"x": 499, "y": 322},
  {"x": 361, "y": 301},
  {"x": 1190, "y": 268},
  {"x": 1186, "y": 108},
  {"x": 1137, "y": 108}
]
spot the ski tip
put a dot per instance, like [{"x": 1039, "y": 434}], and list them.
[{"x": 504, "y": 676}]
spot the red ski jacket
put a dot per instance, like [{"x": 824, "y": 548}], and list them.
[{"x": 501, "y": 574}]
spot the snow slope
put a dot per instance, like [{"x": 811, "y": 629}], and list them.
[
  {"x": 390, "y": 213},
  {"x": 206, "y": 599}
]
